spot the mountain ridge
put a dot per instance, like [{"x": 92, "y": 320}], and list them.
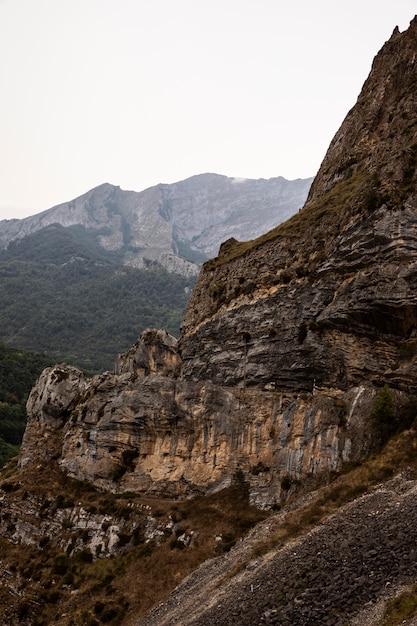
[
  {"x": 178, "y": 225},
  {"x": 82, "y": 280}
]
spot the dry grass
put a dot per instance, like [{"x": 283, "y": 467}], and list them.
[
  {"x": 73, "y": 590},
  {"x": 401, "y": 608},
  {"x": 325, "y": 214}
]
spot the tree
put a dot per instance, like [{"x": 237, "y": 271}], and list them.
[{"x": 383, "y": 413}]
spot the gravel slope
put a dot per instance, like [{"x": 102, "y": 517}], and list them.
[{"x": 338, "y": 574}]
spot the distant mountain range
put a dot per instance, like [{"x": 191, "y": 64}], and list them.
[
  {"x": 179, "y": 226},
  {"x": 82, "y": 280}
]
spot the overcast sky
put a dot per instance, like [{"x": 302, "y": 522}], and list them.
[{"x": 137, "y": 92}]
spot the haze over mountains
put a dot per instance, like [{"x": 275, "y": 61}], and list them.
[
  {"x": 179, "y": 225},
  {"x": 82, "y": 280}
]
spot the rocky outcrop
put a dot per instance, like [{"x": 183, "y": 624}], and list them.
[
  {"x": 143, "y": 429},
  {"x": 34, "y": 521},
  {"x": 378, "y": 134}
]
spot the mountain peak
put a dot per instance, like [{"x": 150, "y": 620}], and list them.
[{"x": 377, "y": 136}]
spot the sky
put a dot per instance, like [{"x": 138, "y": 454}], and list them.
[{"x": 141, "y": 92}]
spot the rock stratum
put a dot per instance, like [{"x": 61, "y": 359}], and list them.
[
  {"x": 145, "y": 429},
  {"x": 329, "y": 297}
]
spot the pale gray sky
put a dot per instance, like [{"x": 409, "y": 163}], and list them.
[{"x": 137, "y": 92}]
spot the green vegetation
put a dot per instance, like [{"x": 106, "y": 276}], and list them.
[
  {"x": 390, "y": 418},
  {"x": 401, "y": 608},
  {"x": 18, "y": 371},
  {"x": 383, "y": 413},
  {"x": 63, "y": 295}
]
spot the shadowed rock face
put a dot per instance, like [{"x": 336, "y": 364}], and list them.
[{"x": 286, "y": 340}]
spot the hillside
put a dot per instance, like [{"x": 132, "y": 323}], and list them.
[
  {"x": 287, "y": 406},
  {"x": 82, "y": 280},
  {"x": 63, "y": 295},
  {"x": 19, "y": 370}
]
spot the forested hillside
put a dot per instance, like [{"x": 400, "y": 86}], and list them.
[
  {"x": 18, "y": 371},
  {"x": 63, "y": 295}
]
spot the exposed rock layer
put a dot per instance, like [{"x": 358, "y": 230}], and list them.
[
  {"x": 329, "y": 296},
  {"x": 141, "y": 430}
]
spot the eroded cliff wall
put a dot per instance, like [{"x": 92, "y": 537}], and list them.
[
  {"x": 329, "y": 297},
  {"x": 163, "y": 435}
]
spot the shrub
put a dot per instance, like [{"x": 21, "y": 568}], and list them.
[
  {"x": 98, "y": 607},
  {"x": 383, "y": 413},
  {"x": 84, "y": 556},
  {"x": 259, "y": 468},
  {"x": 109, "y": 614},
  {"x": 9, "y": 487},
  {"x": 176, "y": 544}
]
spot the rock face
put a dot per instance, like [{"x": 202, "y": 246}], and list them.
[
  {"x": 286, "y": 340},
  {"x": 145, "y": 429},
  {"x": 329, "y": 297},
  {"x": 179, "y": 225}
]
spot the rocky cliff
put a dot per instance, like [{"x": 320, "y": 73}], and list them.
[
  {"x": 145, "y": 429},
  {"x": 329, "y": 297},
  {"x": 294, "y": 346},
  {"x": 287, "y": 339},
  {"x": 179, "y": 225}
]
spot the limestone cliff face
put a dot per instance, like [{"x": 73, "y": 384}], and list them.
[
  {"x": 328, "y": 298},
  {"x": 145, "y": 430}
]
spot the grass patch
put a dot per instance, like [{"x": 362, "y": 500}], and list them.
[
  {"x": 317, "y": 215},
  {"x": 401, "y": 608}
]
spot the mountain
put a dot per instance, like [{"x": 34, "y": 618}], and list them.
[
  {"x": 290, "y": 395},
  {"x": 179, "y": 225},
  {"x": 82, "y": 280}
]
